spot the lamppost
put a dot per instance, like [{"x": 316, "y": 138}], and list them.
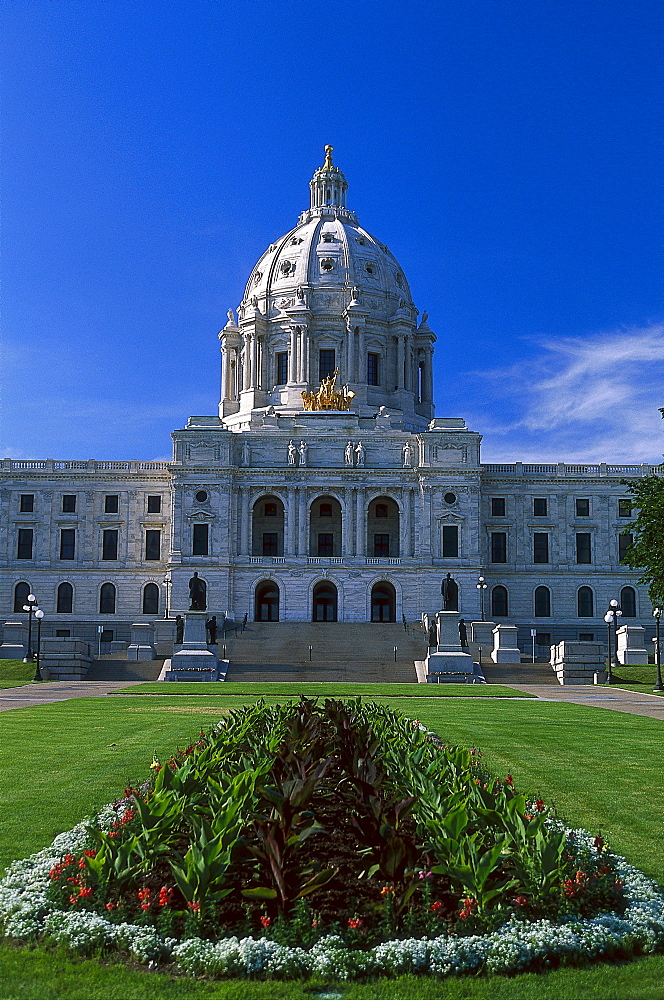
[
  {"x": 481, "y": 586},
  {"x": 657, "y": 614},
  {"x": 30, "y": 607},
  {"x": 611, "y": 618},
  {"x": 39, "y": 614}
]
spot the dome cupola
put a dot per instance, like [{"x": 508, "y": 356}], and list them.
[{"x": 328, "y": 185}]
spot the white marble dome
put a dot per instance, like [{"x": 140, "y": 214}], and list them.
[{"x": 328, "y": 252}]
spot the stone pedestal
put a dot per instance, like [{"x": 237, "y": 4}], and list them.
[
  {"x": 194, "y": 654},
  {"x": 505, "y": 649},
  {"x": 578, "y": 662},
  {"x": 164, "y": 636},
  {"x": 631, "y": 649},
  {"x": 65, "y": 659},
  {"x": 449, "y": 657},
  {"x": 15, "y": 642},
  {"x": 141, "y": 646}
]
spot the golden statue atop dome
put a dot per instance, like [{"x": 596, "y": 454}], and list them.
[{"x": 328, "y": 165}]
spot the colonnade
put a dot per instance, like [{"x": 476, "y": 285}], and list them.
[
  {"x": 247, "y": 361},
  {"x": 354, "y": 515}
]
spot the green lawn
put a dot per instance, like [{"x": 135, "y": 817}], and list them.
[
  {"x": 13, "y": 673},
  {"x": 636, "y": 678},
  {"x": 62, "y": 760},
  {"x": 287, "y": 689}
]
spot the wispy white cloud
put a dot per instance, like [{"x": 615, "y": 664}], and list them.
[{"x": 580, "y": 399}]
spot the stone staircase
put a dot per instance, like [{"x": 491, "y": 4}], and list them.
[
  {"x": 340, "y": 651},
  {"x": 124, "y": 670},
  {"x": 518, "y": 673}
]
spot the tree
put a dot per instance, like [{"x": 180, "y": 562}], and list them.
[{"x": 647, "y": 551}]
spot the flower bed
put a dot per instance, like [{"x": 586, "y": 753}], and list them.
[{"x": 215, "y": 864}]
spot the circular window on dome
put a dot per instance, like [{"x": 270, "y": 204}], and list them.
[
  {"x": 361, "y": 240},
  {"x": 296, "y": 241},
  {"x": 450, "y": 498},
  {"x": 286, "y": 267},
  {"x": 327, "y": 264},
  {"x": 370, "y": 268},
  {"x": 257, "y": 277},
  {"x": 202, "y": 496}
]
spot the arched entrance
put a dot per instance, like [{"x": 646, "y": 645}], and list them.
[
  {"x": 266, "y": 607},
  {"x": 383, "y": 602},
  {"x": 325, "y": 602}
]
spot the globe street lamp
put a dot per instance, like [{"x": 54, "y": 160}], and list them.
[
  {"x": 611, "y": 618},
  {"x": 167, "y": 584},
  {"x": 481, "y": 586},
  {"x": 657, "y": 614},
  {"x": 30, "y": 607},
  {"x": 39, "y": 614}
]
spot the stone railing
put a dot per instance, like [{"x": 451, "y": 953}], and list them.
[
  {"x": 92, "y": 465},
  {"x": 564, "y": 469}
]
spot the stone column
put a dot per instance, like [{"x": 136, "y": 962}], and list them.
[
  {"x": 349, "y": 374},
  {"x": 427, "y": 381},
  {"x": 292, "y": 357},
  {"x": 404, "y": 524},
  {"x": 254, "y": 363},
  {"x": 361, "y": 359},
  {"x": 302, "y": 522},
  {"x": 400, "y": 361},
  {"x": 289, "y": 533},
  {"x": 247, "y": 362},
  {"x": 360, "y": 523},
  {"x": 244, "y": 512}
]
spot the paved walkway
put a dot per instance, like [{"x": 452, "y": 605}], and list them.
[
  {"x": 51, "y": 691},
  {"x": 615, "y": 699}
]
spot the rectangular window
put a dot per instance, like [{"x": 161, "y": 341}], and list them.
[
  {"x": 106, "y": 635},
  {"x": 583, "y": 508},
  {"x": 539, "y": 506},
  {"x": 543, "y": 639},
  {"x": 498, "y": 547},
  {"x": 62, "y": 633},
  {"x": 450, "y": 541},
  {"x": 153, "y": 544},
  {"x": 326, "y": 364},
  {"x": 154, "y": 505},
  {"x": 372, "y": 369},
  {"x": 624, "y": 508},
  {"x": 381, "y": 545},
  {"x": 24, "y": 543},
  {"x": 69, "y": 503},
  {"x": 270, "y": 543},
  {"x": 583, "y": 552},
  {"x": 624, "y": 542},
  {"x": 586, "y": 636},
  {"x": 326, "y": 544},
  {"x": 27, "y": 503},
  {"x": 541, "y": 547},
  {"x": 109, "y": 545},
  {"x": 200, "y": 540},
  {"x": 111, "y": 503},
  {"x": 67, "y": 543},
  {"x": 282, "y": 367},
  {"x": 498, "y": 506}
]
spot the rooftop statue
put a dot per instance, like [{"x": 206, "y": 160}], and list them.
[{"x": 328, "y": 397}]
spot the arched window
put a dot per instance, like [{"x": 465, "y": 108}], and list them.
[
  {"x": 542, "y": 602},
  {"x": 150, "y": 599},
  {"x": 267, "y": 527},
  {"x": 628, "y": 602},
  {"x": 107, "y": 599},
  {"x": 65, "y": 599},
  {"x": 383, "y": 602},
  {"x": 325, "y": 602},
  {"x": 499, "y": 602},
  {"x": 585, "y": 602},
  {"x": 266, "y": 604},
  {"x": 21, "y": 591}
]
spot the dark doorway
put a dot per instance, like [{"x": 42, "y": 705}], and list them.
[
  {"x": 325, "y": 602},
  {"x": 383, "y": 602},
  {"x": 267, "y": 602}
]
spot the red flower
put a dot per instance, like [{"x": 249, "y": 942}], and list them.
[
  {"x": 91, "y": 854},
  {"x": 598, "y": 843},
  {"x": 569, "y": 887},
  {"x": 195, "y": 906},
  {"x": 165, "y": 896},
  {"x": 469, "y": 906},
  {"x": 87, "y": 891},
  {"x": 437, "y": 906},
  {"x": 265, "y": 921},
  {"x": 110, "y": 906},
  {"x": 354, "y": 922},
  {"x": 520, "y": 901},
  {"x": 539, "y": 805},
  {"x": 509, "y": 780}
]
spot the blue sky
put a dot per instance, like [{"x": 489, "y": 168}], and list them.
[{"x": 510, "y": 154}]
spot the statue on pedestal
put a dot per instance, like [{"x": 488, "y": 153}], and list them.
[
  {"x": 450, "y": 593},
  {"x": 406, "y": 452},
  {"x": 303, "y": 453},
  {"x": 348, "y": 453},
  {"x": 359, "y": 453},
  {"x": 197, "y": 592},
  {"x": 292, "y": 452}
]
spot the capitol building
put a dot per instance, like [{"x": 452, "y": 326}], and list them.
[{"x": 325, "y": 488}]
